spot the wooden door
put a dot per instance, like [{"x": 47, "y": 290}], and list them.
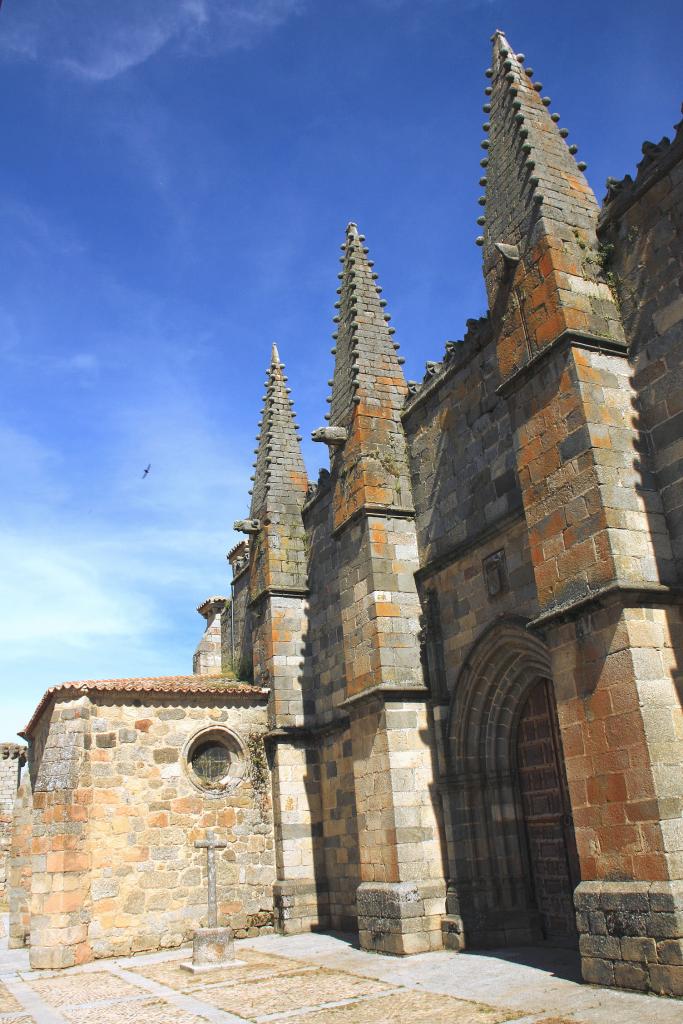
[{"x": 547, "y": 817}]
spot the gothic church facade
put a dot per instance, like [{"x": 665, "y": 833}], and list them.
[{"x": 442, "y": 706}]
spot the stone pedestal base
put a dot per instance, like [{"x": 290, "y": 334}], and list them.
[
  {"x": 452, "y": 932},
  {"x": 631, "y": 934},
  {"x": 212, "y": 948},
  {"x": 400, "y": 917},
  {"x": 301, "y": 905}
]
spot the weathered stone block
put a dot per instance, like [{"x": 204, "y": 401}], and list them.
[
  {"x": 639, "y": 949},
  {"x": 212, "y": 948},
  {"x": 597, "y": 972},
  {"x": 666, "y": 980},
  {"x": 631, "y": 975},
  {"x": 670, "y": 951},
  {"x": 602, "y": 946}
]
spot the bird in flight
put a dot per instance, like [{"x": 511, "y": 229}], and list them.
[{"x": 146, "y": 472}]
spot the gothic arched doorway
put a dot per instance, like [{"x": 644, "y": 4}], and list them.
[
  {"x": 547, "y": 815},
  {"x": 509, "y": 831}
]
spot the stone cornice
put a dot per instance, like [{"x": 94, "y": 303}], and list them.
[
  {"x": 387, "y": 692},
  {"x": 565, "y": 340},
  {"x": 630, "y": 594},
  {"x": 381, "y": 511},
  {"x": 458, "y": 356},
  {"x": 278, "y": 592},
  {"x": 308, "y": 733},
  {"x": 630, "y": 191}
]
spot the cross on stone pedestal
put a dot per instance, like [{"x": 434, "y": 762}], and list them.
[
  {"x": 211, "y": 844},
  {"x": 212, "y": 947}
]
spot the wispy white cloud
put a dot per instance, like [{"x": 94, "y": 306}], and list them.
[{"x": 99, "y": 41}]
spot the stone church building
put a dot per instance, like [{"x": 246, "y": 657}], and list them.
[{"x": 442, "y": 703}]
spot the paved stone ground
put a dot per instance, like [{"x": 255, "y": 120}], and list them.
[{"x": 322, "y": 979}]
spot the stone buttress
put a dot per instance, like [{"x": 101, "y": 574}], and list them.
[
  {"x": 599, "y": 542},
  {"x": 279, "y": 612},
  {"x": 401, "y": 897}
]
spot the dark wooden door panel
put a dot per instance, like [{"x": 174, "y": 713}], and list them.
[{"x": 546, "y": 813}]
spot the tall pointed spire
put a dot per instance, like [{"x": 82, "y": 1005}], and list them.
[
  {"x": 368, "y": 390},
  {"x": 538, "y": 202},
  {"x": 280, "y": 474},
  {"x": 278, "y": 550}
]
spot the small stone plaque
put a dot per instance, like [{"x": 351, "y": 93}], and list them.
[{"x": 495, "y": 573}]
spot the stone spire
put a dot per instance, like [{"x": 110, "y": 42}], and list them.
[
  {"x": 280, "y": 474},
  {"x": 278, "y": 493},
  {"x": 538, "y": 210},
  {"x": 368, "y": 392}
]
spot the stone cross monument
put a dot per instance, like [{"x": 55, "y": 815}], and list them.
[
  {"x": 212, "y": 947},
  {"x": 211, "y": 844}
]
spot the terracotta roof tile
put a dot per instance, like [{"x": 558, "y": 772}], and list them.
[{"x": 224, "y": 685}]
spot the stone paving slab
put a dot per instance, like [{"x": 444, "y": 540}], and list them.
[
  {"x": 540, "y": 983},
  {"x": 296, "y": 991},
  {"x": 412, "y": 1007},
  {"x": 323, "y": 979},
  {"x": 86, "y": 987},
  {"x": 258, "y": 966},
  {"x": 149, "y": 1011},
  {"x": 8, "y": 1002}
]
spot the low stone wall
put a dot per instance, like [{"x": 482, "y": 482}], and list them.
[
  {"x": 135, "y": 880},
  {"x": 148, "y": 881}
]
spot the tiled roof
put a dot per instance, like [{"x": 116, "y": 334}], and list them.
[
  {"x": 215, "y": 599},
  {"x": 151, "y": 684}
]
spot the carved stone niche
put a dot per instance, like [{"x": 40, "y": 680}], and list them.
[{"x": 495, "y": 574}]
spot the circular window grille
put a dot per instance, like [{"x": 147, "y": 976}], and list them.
[{"x": 215, "y": 761}]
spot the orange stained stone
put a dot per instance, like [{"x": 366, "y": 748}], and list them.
[
  {"x": 63, "y": 902},
  {"x": 652, "y": 866},
  {"x": 551, "y": 327},
  {"x": 66, "y": 862},
  {"x": 83, "y": 953},
  {"x": 386, "y": 609},
  {"x": 619, "y": 839}
]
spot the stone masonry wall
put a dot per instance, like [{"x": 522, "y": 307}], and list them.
[
  {"x": 236, "y": 648},
  {"x": 340, "y": 828},
  {"x": 325, "y": 645},
  {"x": 148, "y": 885},
  {"x": 641, "y": 229},
  {"x": 116, "y": 810},
  {"x": 60, "y": 850},
  {"x": 476, "y": 576},
  {"x": 19, "y": 873},
  {"x": 461, "y": 448},
  {"x": 12, "y": 758}
]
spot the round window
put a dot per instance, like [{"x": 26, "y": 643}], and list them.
[
  {"x": 211, "y": 761},
  {"x": 215, "y": 760}
]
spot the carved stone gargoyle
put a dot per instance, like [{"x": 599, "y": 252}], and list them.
[
  {"x": 247, "y": 525},
  {"x": 511, "y": 257},
  {"x": 331, "y": 435}
]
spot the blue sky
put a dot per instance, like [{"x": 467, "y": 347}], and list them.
[{"x": 175, "y": 180}]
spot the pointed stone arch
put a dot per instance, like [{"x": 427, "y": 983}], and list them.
[
  {"x": 501, "y": 667},
  {"x": 491, "y": 892}
]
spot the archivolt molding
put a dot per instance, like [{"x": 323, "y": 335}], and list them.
[{"x": 501, "y": 667}]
